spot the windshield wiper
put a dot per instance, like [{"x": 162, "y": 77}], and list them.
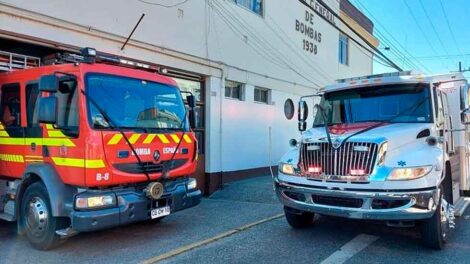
[
  {"x": 325, "y": 124},
  {"x": 113, "y": 125}
]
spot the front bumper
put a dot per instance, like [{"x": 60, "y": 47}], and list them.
[
  {"x": 373, "y": 205},
  {"x": 134, "y": 206}
]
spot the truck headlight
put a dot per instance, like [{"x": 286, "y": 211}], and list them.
[
  {"x": 95, "y": 202},
  {"x": 192, "y": 184},
  {"x": 410, "y": 173},
  {"x": 287, "y": 168}
]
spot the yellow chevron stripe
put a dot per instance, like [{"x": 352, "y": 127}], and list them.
[
  {"x": 175, "y": 138},
  {"x": 134, "y": 138},
  {"x": 72, "y": 162},
  {"x": 11, "y": 158},
  {"x": 149, "y": 138},
  {"x": 163, "y": 138},
  {"x": 187, "y": 139},
  {"x": 115, "y": 139},
  {"x": 3, "y": 133}
]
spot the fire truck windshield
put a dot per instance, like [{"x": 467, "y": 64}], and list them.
[
  {"x": 134, "y": 104},
  {"x": 398, "y": 103}
]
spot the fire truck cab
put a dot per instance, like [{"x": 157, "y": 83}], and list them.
[
  {"x": 391, "y": 147},
  {"x": 92, "y": 144}
]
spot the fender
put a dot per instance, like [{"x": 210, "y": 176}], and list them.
[{"x": 60, "y": 195}]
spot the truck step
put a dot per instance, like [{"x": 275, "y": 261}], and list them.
[
  {"x": 461, "y": 205},
  {"x": 7, "y": 217},
  {"x": 66, "y": 232}
]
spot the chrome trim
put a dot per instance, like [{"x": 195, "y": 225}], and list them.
[
  {"x": 409, "y": 211},
  {"x": 336, "y": 164}
]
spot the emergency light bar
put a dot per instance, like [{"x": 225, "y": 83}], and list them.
[
  {"x": 90, "y": 55},
  {"x": 382, "y": 75}
]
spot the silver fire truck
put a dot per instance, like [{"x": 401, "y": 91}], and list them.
[{"x": 391, "y": 147}]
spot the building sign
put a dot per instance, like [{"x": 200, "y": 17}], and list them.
[
  {"x": 306, "y": 26},
  {"x": 323, "y": 11}
]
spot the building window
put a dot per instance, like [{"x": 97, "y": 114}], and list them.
[
  {"x": 234, "y": 90},
  {"x": 254, "y": 5},
  {"x": 343, "y": 49},
  {"x": 262, "y": 95}
]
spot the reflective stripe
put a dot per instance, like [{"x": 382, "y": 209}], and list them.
[
  {"x": 149, "y": 138},
  {"x": 52, "y": 132},
  {"x": 163, "y": 138},
  {"x": 115, "y": 139},
  {"x": 11, "y": 158},
  {"x": 3, "y": 133},
  {"x": 33, "y": 157},
  {"x": 53, "y": 142},
  {"x": 134, "y": 138},
  {"x": 55, "y": 133},
  {"x": 175, "y": 138},
  {"x": 187, "y": 139},
  {"x": 72, "y": 162}
]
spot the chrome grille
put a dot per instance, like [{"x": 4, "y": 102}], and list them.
[{"x": 338, "y": 162}]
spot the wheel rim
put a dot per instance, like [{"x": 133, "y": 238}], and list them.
[
  {"x": 445, "y": 218},
  {"x": 37, "y": 216}
]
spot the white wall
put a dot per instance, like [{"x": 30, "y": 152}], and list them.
[{"x": 214, "y": 38}]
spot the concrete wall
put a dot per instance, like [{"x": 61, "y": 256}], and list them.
[{"x": 215, "y": 38}]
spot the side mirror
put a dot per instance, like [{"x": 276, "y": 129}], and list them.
[
  {"x": 192, "y": 118},
  {"x": 302, "y": 114},
  {"x": 191, "y": 101},
  {"x": 48, "y": 110},
  {"x": 302, "y": 111},
  {"x": 465, "y": 117},
  {"x": 49, "y": 83}
]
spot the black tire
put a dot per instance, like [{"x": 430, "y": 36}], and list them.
[
  {"x": 432, "y": 233},
  {"x": 36, "y": 216},
  {"x": 298, "y": 219}
]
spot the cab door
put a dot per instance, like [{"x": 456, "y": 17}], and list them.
[
  {"x": 11, "y": 130},
  {"x": 32, "y": 131}
]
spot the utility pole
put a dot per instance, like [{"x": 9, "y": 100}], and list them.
[{"x": 463, "y": 70}]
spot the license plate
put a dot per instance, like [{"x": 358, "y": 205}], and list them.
[{"x": 160, "y": 212}]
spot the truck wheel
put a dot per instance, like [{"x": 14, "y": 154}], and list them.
[
  {"x": 435, "y": 230},
  {"x": 298, "y": 219},
  {"x": 36, "y": 215}
]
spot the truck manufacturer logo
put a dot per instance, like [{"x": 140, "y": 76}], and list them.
[
  {"x": 156, "y": 155},
  {"x": 401, "y": 163},
  {"x": 336, "y": 143}
]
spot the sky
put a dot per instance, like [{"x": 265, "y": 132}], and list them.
[{"x": 429, "y": 35}]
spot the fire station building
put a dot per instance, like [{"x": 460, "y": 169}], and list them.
[{"x": 247, "y": 61}]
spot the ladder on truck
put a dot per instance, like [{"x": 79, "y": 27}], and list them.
[{"x": 12, "y": 61}]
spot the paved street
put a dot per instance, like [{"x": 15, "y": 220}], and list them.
[{"x": 230, "y": 212}]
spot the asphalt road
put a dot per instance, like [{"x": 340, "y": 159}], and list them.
[{"x": 241, "y": 224}]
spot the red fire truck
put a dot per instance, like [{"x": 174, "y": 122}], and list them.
[{"x": 91, "y": 142}]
